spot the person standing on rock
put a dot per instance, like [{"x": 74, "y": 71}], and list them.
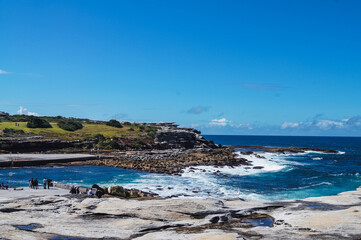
[
  {"x": 44, "y": 182},
  {"x": 36, "y": 183},
  {"x": 48, "y": 180},
  {"x": 30, "y": 183}
]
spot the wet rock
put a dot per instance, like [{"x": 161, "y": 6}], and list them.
[
  {"x": 214, "y": 219},
  {"x": 224, "y": 218}
]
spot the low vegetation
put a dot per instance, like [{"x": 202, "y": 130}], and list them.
[
  {"x": 10, "y": 132},
  {"x": 106, "y": 134},
  {"x": 70, "y": 124}
]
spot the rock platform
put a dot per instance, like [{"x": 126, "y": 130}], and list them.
[{"x": 72, "y": 217}]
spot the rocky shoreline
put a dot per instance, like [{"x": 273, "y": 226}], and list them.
[
  {"x": 168, "y": 161},
  {"x": 82, "y": 217},
  {"x": 174, "y": 161},
  {"x": 281, "y": 150}
]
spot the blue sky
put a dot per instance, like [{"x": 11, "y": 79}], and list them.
[{"x": 224, "y": 67}]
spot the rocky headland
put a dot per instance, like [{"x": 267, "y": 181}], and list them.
[{"x": 171, "y": 151}]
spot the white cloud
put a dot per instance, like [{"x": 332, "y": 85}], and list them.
[
  {"x": 323, "y": 124},
  {"x": 248, "y": 126},
  {"x": 198, "y": 110},
  {"x": 4, "y": 72},
  {"x": 24, "y": 111},
  {"x": 328, "y": 124},
  {"x": 286, "y": 125},
  {"x": 222, "y": 122},
  {"x": 353, "y": 121},
  {"x": 195, "y": 125}
]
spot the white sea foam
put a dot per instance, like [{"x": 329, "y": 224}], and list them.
[
  {"x": 315, "y": 185},
  {"x": 317, "y": 158},
  {"x": 264, "y": 162},
  {"x": 206, "y": 181}
]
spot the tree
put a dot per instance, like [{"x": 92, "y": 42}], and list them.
[
  {"x": 70, "y": 124},
  {"x": 36, "y": 122},
  {"x": 114, "y": 123}
]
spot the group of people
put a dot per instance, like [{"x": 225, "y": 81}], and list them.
[
  {"x": 76, "y": 190},
  {"x": 3, "y": 186},
  {"x": 34, "y": 183}
]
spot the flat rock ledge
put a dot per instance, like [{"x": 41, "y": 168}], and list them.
[{"x": 25, "y": 216}]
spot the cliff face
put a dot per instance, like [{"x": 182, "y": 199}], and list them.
[
  {"x": 170, "y": 136},
  {"x": 35, "y": 144}
]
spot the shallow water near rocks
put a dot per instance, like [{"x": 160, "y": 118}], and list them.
[
  {"x": 29, "y": 226},
  {"x": 259, "y": 222}
]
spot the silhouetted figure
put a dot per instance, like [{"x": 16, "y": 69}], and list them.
[
  {"x": 3, "y": 186},
  {"x": 49, "y": 182},
  {"x": 36, "y": 183}
]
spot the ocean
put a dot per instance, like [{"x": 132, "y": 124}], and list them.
[{"x": 288, "y": 176}]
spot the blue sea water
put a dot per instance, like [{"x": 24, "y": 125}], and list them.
[{"x": 287, "y": 176}]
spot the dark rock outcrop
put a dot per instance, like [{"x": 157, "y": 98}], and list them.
[{"x": 170, "y": 136}]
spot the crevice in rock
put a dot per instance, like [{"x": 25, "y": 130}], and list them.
[
  {"x": 163, "y": 227},
  {"x": 10, "y": 210}
]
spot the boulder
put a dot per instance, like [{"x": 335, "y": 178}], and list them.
[{"x": 118, "y": 191}]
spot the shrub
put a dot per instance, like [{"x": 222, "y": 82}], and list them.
[
  {"x": 11, "y": 131},
  {"x": 36, "y": 122},
  {"x": 99, "y": 138},
  {"x": 70, "y": 124},
  {"x": 114, "y": 123},
  {"x": 131, "y": 129},
  {"x": 127, "y": 123},
  {"x": 139, "y": 143},
  {"x": 108, "y": 144},
  {"x": 152, "y": 131}
]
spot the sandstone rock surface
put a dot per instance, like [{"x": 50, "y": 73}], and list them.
[{"x": 48, "y": 217}]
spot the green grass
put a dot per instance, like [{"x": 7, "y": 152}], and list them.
[{"x": 89, "y": 130}]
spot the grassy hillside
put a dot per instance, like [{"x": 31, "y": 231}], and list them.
[{"x": 129, "y": 131}]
